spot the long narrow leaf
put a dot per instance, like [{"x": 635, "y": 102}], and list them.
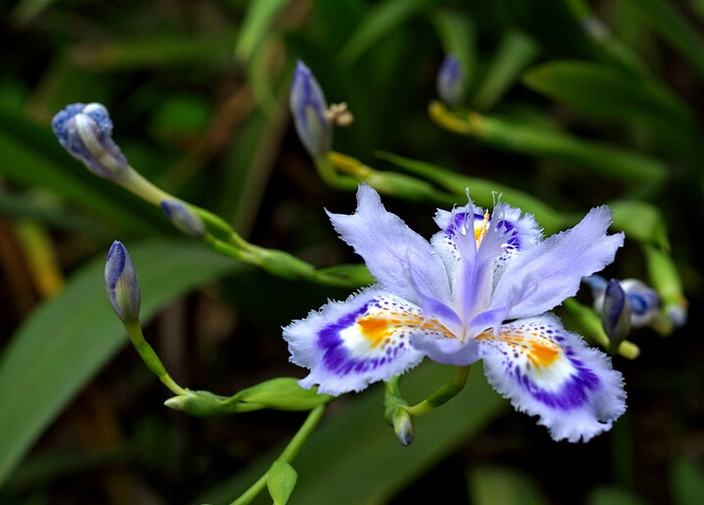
[{"x": 71, "y": 337}]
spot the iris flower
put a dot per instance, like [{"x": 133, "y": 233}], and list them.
[{"x": 480, "y": 289}]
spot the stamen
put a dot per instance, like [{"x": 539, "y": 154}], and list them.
[
  {"x": 339, "y": 115},
  {"x": 481, "y": 230}
]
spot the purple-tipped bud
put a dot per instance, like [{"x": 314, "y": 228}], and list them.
[
  {"x": 451, "y": 81},
  {"x": 121, "y": 283},
  {"x": 308, "y": 108},
  {"x": 184, "y": 218},
  {"x": 403, "y": 426},
  {"x": 616, "y": 312},
  {"x": 643, "y": 302},
  {"x": 85, "y": 131}
]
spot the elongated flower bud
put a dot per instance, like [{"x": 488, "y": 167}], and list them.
[
  {"x": 121, "y": 283},
  {"x": 451, "y": 81},
  {"x": 85, "y": 131},
  {"x": 308, "y": 106},
  {"x": 642, "y": 302},
  {"x": 616, "y": 312},
  {"x": 184, "y": 218},
  {"x": 403, "y": 426}
]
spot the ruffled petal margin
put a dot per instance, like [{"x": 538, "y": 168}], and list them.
[
  {"x": 367, "y": 338},
  {"x": 386, "y": 242},
  {"x": 549, "y": 372}
]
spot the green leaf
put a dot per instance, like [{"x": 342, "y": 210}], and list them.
[
  {"x": 355, "y": 459},
  {"x": 280, "y": 481},
  {"x": 687, "y": 481},
  {"x": 256, "y": 26},
  {"x": 515, "y": 52},
  {"x": 611, "y": 495},
  {"x": 282, "y": 393},
  {"x": 69, "y": 338},
  {"x": 664, "y": 17},
  {"x": 602, "y": 90},
  {"x": 503, "y": 486},
  {"x": 458, "y": 36},
  {"x": 641, "y": 221},
  {"x": 379, "y": 22},
  {"x": 483, "y": 192},
  {"x": 157, "y": 51}
]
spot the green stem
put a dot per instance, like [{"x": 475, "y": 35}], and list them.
[
  {"x": 288, "y": 454},
  {"x": 444, "y": 394},
  {"x": 150, "y": 358}
]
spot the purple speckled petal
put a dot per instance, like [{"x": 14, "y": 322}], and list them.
[
  {"x": 349, "y": 345},
  {"x": 549, "y": 372}
]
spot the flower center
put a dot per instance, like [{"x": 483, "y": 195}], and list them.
[{"x": 481, "y": 228}]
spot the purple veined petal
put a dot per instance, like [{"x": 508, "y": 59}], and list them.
[
  {"x": 385, "y": 242},
  {"x": 429, "y": 305},
  {"x": 521, "y": 230},
  {"x": 558, "y": 264},
  {"x": 549, "y": 372},
  {"x": 367, "y": 338}
]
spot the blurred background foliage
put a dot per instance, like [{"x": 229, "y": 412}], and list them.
[{"x": 574, "y": 104}]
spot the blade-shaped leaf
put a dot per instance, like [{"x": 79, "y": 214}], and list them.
[
  {"x": 515, "y": 52},
  {"x": 599, "y": 89},
  {"x": 664, "y": 17},
  {"x": 380, "y": 21},
  {"x": 281, "y": 481},
  {"x": 68, "y": 339}
]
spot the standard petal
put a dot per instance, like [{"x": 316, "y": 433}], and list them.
[
  {"x": 557, "y": 265},
  {"x": 385, "y": 242},
  {"x": 348, "y": 345},
  {"x": 549, "y": 372}
]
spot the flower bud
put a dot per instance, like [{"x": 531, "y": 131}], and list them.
[
  {"x": 184, "y": 218},
  {"x": 616, "y": 312},
  {"x": 644, "y": 302},
  {"x": 451, "y": 81},
  {"x": 402, "y": 422},
  {"x": 121, "y": 283},
  {"x": 613, "y": 298},
  {"x": 85, "y": 131},
  {"x": 308, "y": 107}
]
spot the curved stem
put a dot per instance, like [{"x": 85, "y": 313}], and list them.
[
  {"x": 444, "y": 394},
  {"x": 150, "y": 357}
]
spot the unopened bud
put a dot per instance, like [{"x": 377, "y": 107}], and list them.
[
  {"x": 616, "y": 312},
  {"x": 121, "y": 283},
  {"x": 308, "y": 107},
  {"x": 184, "y": 218},
  {"x": 85, "y": 131},
  {"x": 451, "y": 81},
  {"x": 402, "y": 422}
]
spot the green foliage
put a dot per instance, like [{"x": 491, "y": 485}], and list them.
[
  {"x": 79, "y": 327},
  {"x": 567, "y": 108}
]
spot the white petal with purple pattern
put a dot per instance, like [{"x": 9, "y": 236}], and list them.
[{"x": 478, "y": 290}]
